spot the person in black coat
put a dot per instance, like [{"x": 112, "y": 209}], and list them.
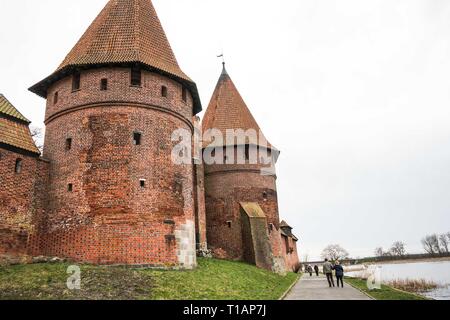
[
  {"x": 339, "y": 273},
  {"x": 316, "y": 269},
  {"x": 310, "y": 270}
]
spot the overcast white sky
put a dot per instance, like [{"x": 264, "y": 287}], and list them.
[{"x": 354, "y": 93}]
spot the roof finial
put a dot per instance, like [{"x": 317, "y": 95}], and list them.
[{"x": 224, "y": 71}]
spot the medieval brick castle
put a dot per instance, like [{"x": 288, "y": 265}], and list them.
[{"x": 105, "y": 189}]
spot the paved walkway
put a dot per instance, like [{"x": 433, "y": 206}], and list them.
[{"x": 316, "y": 288}]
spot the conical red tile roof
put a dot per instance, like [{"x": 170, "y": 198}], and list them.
[
  {"x": 125, "y": 32},
  {"x": 227, "y": 110}
]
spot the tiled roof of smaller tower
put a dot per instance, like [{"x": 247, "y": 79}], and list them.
[
  {"x": 8, "y": 109},
  {"x": 285, "y": 224},
  {"x": 125, "y": 31},
  {"x": 227, "y": 110},
  {"x": 14, "y": 130},
  {"x": 287, "y": 233}
]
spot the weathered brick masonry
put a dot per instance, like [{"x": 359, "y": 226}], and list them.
[
  {"x": 228, "y": 184},
  {"x": 115, "y": 195},
  {"x": 23, "y": 182},
  {"x": 22, "y": 200},
  {"x": 108, "y": 216},
  {"x": 108, "y": 191}
]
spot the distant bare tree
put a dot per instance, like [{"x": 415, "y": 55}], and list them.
[
  {"x": 36, "y": 134},
  {"x": 379, "y": 252},
  {"x": 398, "y": 249},
  {"x": 334, "y": 252},
  {"x": 444, "y": 241},
  {"x": 431, "y": 244}
]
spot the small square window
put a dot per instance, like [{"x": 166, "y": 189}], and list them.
[
  {"x": 137, "y": 137},
  {"x": 104, "y": 84},
  {"x": 76, "y": 81},
  {"x": 70, "y": 187},
  {"x": 164, "y": 91},
  {"x": 68, "y": 144}
]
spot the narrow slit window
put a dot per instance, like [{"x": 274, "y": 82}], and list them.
[
  {"x": 68, "y": 144},
  {"x": 18, "y": 167},
  {"x": 265, "y": 195},
  {"x": 104, "y": 84},
  {"x": 137, "y": 138},
  {"x": 184, "y": 94},
  {"x": 76, "y": 81},
  {"x": 136, "y": 77},
  {"x": 164, "y": 91},
  {"x": 247, "y": 152},
  {"x": 70, "y": 187},
  {"x": 142, "y": 183},
  {"x": 55, "y": 98},
  {"x": 229, "y": 224}
]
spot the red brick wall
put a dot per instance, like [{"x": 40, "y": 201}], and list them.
[
  {"x": 290, "y": 253},
  {"x": 22, "y": 200},
  {"x": 109, "y": 218},
  {"x": 225, "y": 187},
  {"x": 200, "y": 219}
]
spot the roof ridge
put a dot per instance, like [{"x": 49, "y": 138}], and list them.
[{"x": 7, "y": 108}]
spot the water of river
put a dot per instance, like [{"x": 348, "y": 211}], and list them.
[{"x": 438, "y": 272}]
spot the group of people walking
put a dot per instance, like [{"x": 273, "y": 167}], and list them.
[{"x": 327, "y": 270}]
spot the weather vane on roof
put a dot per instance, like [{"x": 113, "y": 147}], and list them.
[{"x": 223, "y": 57}]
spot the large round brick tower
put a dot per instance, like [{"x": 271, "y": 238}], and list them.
[
  {"x": 241, "y": 197},
  {"x": 115, "y": 195}
]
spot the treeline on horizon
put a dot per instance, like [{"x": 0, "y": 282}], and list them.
[
  {"x": 435, "y": 246},
  {"x": 416, "y": 256}
]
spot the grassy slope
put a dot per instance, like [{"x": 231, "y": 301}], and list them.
[
  {"x": 386, "y": 292},
  {"x": 213, "y": 279}
]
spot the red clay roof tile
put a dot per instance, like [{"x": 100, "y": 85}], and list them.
[
  {"x": 227, "y": 110},
  {"x": 125, "y": 32},
  {"x": 14, "y": 129}
]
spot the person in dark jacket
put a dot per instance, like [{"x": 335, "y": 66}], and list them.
[
  {"x": 339, "y": 273},
  {"x": 310, "y": 270},
  {"x": 316, "y": 269}
]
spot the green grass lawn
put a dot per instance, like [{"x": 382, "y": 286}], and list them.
[
  {"x": 386, "y": 292},
  {"x": 213, "y": 279}
]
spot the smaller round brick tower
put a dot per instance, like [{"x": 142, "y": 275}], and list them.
[
  {"x": 241, "y": 197},
  {"x": 115, "y": 195}
]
